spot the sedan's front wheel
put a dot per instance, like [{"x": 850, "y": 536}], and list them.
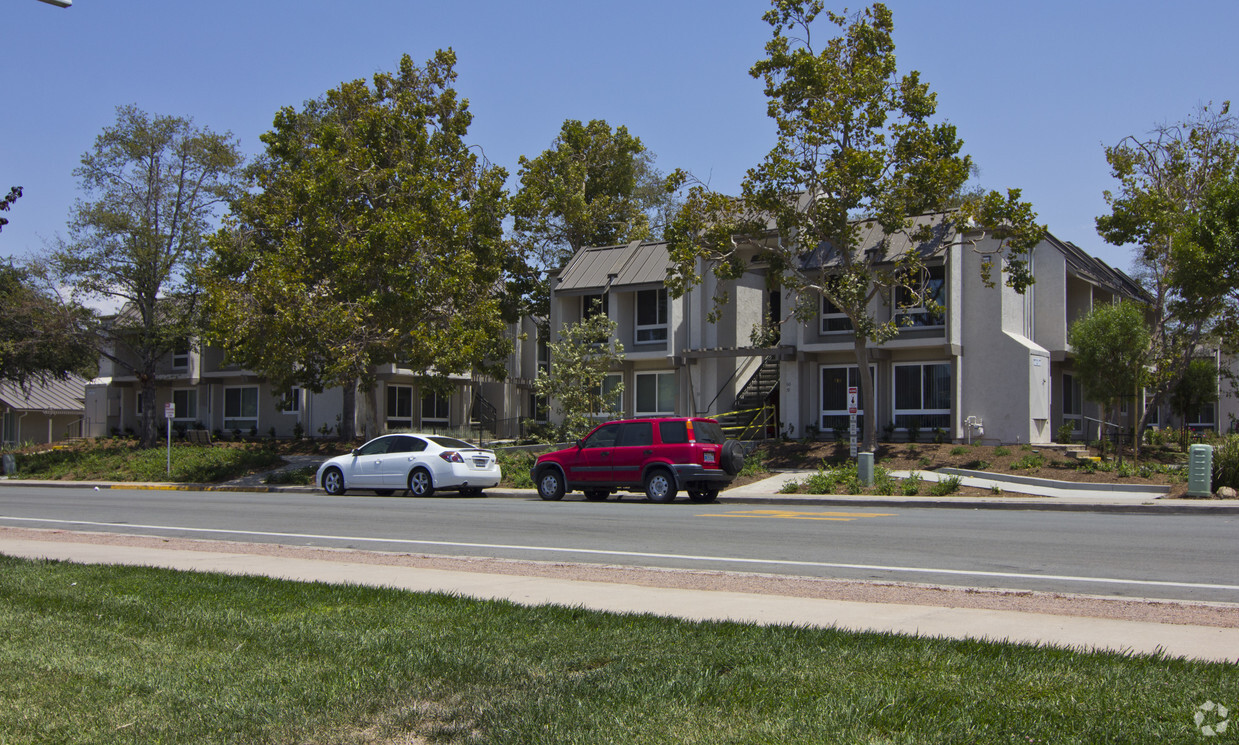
[
  {"x": 420, "y": 483},
  {"x": 333, "y": 482}
]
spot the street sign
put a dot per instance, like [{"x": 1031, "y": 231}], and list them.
[
  {"x": 853, "y": 395},
  {"x": 169, "y": 410}
]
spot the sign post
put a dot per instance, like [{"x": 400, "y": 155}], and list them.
[
  {"x": 853, "y": 395},
  {"x": 169, "y": 411}
]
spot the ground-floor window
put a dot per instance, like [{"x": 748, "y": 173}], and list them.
[
  {"x": 656, "y": 394},
  {"x": 292, "y": 401},
  {"x": 185, "y": 403},
  {"x": 834, "y": 410},
  {"x": 436, "y": 408},
  {"x": 399, "y": 407},
  {"x": 241, "y": 408},
  {"x": 1204, "y": 417},
  {"x": 611, "y": 396},
  {"x": 923, "y": 395}
]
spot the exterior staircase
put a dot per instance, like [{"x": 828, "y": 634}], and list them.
[{"x": 754, "y": 415}]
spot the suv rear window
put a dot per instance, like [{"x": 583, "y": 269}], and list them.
[
  {"x": 673, "y": 432},
  {"x": 707, "y": 432}
]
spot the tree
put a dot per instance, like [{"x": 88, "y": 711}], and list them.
[
  {"x": 1163, "y": 183},
  {"x": 1110, "y": 345},
  {"x": 1205, "y": 261},
  {"x": 1197, "y": 388},
  {"x": 41, "y": 337},
  {"x": 595, "y": 186},
  {"x": 855, "y": 140},
  {"x": 374, "y": 236},
  {"x": 13, "y": 195},
  {"x": 577, "y": 378},
  {"x": 155, "y": 183}
]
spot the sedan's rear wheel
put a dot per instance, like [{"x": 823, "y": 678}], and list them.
[
  {"x": 420, "y": 483},
  {"x": 660, "y": 486},
  {"x": 333, "y": 482},
  {"x": 550, "y": 485}
]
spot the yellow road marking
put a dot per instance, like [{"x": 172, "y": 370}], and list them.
[{"x": 793, "y": 515}]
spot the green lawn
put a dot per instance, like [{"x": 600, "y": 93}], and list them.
[{"x": 127, "y": 655}]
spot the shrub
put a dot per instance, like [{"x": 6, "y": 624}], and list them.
[
  {"x": 1001, "y": 451},
  {"x": 946, "y": 486},
  {"x": 515, "y": 465},
  {"x": 1030, "y": 462},
  {"x": 1065, "y": 434},
  {"x": 912, "y": 485},
  {"x": 1226, "y": 463},
  {"x": 960, "y": 450},
  {"x": 883, "y": 483}
]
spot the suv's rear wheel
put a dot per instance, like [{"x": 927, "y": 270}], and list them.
[
  {"x": 660, "y": 486},
  {"x": 550, "y": 485},
  {"x": 702, "y": 496},
  {"x": 732, "y": 460}
]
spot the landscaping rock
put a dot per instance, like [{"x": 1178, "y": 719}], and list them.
[{"x": 1226, "y": 492}]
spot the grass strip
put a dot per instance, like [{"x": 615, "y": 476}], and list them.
[{"x": 96, "y": 654}]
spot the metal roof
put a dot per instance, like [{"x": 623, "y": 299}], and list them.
[
  {"x": 62, "y": 396},
  {"x": 889, "y": 248},
  {"x": 636, "y": 263}
]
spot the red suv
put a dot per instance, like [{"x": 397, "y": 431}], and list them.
[{"x": 658, "y": 456}]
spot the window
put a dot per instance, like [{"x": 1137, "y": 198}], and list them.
[
  {"x": 399, "y": 407},
  {"x": 1202, "y": 418},
  {"x": 656, "y": 393},
  {"x": 435, "y": 408},
  {"x": 835, "y": 384},
  {"x": 923, "y": 396},
  {"x": 180, "y": 356},
  {"x": 185, "y": 401},
  {"x": 636, "y": 434},
  {"x": 612, "y": 395},
  {"x": 912, "y": 307},
  {"x": 292, "y": 401},
  {"x": 833, "y": 320},
  {"x": 673, "y": 432},
  {"x": 603, "y": 437},
  {"x": 593, "y": 305},
  {"x": 241, "y": 408},
  {"x": 1073, "y": 403},
  {"x": 651, "y": 316}
]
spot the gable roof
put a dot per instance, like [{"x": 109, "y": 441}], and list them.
[
  {"x": 54, "y": 396},
  {"x": 889, "y": 248},
  {"x": 601, "y": 268}
]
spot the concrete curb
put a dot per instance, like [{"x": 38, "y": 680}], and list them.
[
  {"x": 1152, "y": 506},
  {"x": 1055, "y": 484}
]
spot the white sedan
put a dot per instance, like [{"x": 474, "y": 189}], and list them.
[{"x": 419, "y": 463}]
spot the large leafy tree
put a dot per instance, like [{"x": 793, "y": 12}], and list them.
[
  {"x": 41, "y": 336},
  {"x": 13, "y": 195},
  {"x": 595, "y": 186},
  {"x": 153, "y": 184},
  {"x": 1197, "y": 388},
  {"x": 1165, "y": 180},
  {"x": 373, "y": 236},
  {"x": 1110, "y": 345},
  {"x": 855, "y": 140}
]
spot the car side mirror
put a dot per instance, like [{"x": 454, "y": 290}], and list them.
[
  {"x": 356, "y": 452},
  {"x": 580, "y": 444}
]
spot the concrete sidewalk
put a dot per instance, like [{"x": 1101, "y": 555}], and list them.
[{"x": 1137, "y": 637}]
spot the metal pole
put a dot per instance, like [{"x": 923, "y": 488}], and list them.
[{"x": 169, "y": 421}]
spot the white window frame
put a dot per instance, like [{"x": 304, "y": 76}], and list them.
[
  {"x": 662, "y": 313},
  {"x": 436, "y": 401},
  {"x": 897, "y": 412},
  {"x": 395, "y": 421},
  {"x": 636, "y": 392},
  {"x": 824, "y": 413},
  {"x": 830, "y": 312},
  {"x": 192, "y": 394},
  {"x": 1197, "y": 423},
  {"x": 180, "y": 356},
  {"x": 611, "y": 381},
  {"x": 919, "y": 309},
  {"x": 231, "y": 422},
  {"x": 292, "y": 401}
]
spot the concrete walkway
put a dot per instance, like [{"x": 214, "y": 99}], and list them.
[{"x": 1136, "y": 637}]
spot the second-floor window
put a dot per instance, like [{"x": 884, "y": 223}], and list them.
[
  {"x": 833, "y": 320},
  {"x": 913, "y": 306},
  {"x": 651, "y": 316},
  {"x": 180, "y": 356}
]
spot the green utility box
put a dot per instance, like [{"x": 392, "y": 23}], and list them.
[
  {"x": 1200, "y": 471},
  {"x": 864, "y": 468}
]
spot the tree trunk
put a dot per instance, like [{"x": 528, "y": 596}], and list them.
[
  {"x": 348, "y": 413},
  {"x": 869, "y": 440},
  {"x": 150, "y": 433}
]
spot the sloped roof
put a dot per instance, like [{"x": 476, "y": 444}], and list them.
[
  {"x": 636, "y": 263},
  {"x": 60, "y": 396},
  {"x": 1093, "y": 269},
  {"x": 889, "y": 247}
]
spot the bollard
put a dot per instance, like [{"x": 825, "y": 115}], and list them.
[{"x": 864, "y": 468}]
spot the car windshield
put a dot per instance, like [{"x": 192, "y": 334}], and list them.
[
  {"x": 707, "y": 431},
  {"x": 452, "y": 442}
]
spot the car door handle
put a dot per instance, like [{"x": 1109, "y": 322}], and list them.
[{"x": 648, "y": 452}]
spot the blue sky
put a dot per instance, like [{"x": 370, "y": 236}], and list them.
[{"x": 1036, "y": 89}]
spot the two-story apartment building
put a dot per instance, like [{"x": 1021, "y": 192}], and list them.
[{"x": 991, "y": 363}]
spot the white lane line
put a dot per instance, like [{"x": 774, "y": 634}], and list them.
[{"x": 638, "y": 554}]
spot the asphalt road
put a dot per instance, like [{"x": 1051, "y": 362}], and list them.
[{"x": 1192, "y": 557}]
